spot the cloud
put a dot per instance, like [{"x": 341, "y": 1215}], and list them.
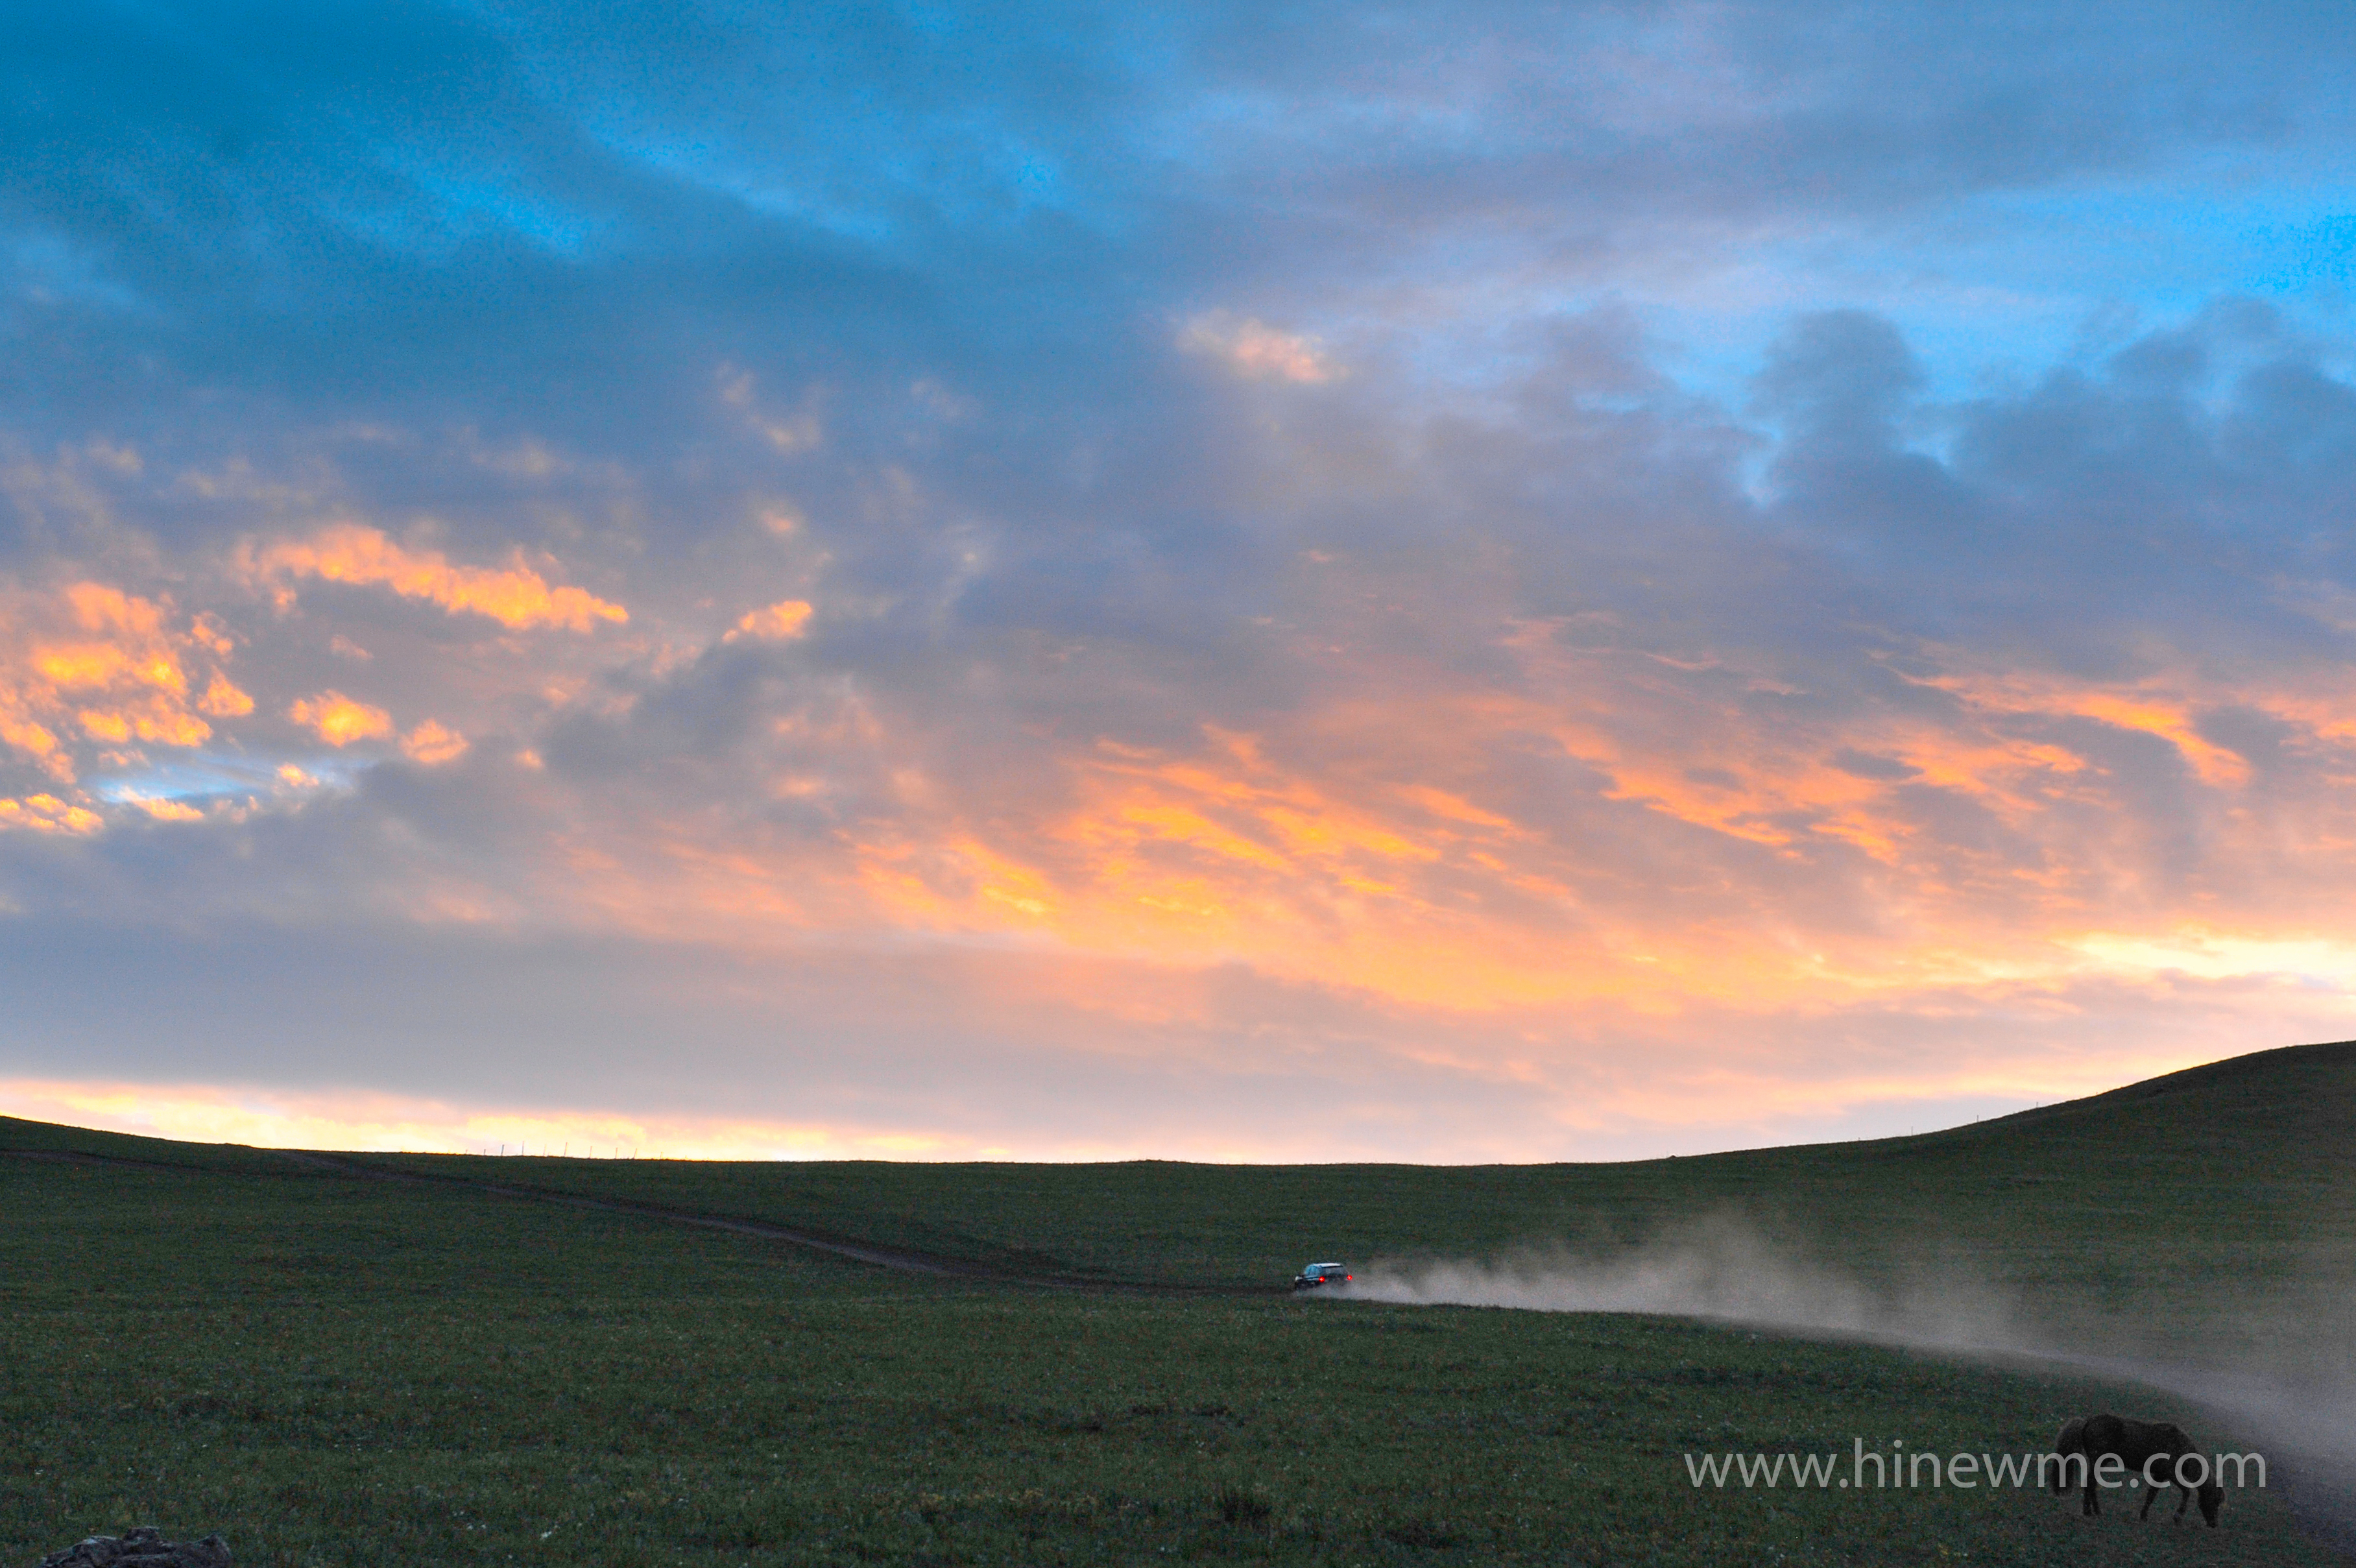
[
  {"x": 517, "y": 597},
  {"x": 779, "y": 622},
  {"x": 48, "y": 814},
  {"x": 340, "y": 720},
  {"x": 91, "y": 666},
  {"x": 788, "y": 433},
  {"x": 1702, "y": 561},
  {"x": 168, "y": 811},
  {"x": 959, "y": 1051},
  {"x": 1255, "y": 351},
  {"x": 433, "y": 744},
  {"x": 263, "y": 1118}
]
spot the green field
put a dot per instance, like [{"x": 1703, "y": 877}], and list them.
[{"x": 332, "y": 1371}]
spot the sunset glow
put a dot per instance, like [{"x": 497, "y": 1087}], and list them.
[{"x": 1494, "y": 584}]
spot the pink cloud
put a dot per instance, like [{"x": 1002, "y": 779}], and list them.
[
  {"x": 1254, "y": 350},
  {"x": 515, "y": 596}
]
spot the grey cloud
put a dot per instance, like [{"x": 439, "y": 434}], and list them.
[
  {"x": 376, "y": 849},
  {"x": 1088, "y": 620},
  {"x": 348, "y": 260},
  {"x": 884, "y": 1041},
  {"x": 1866, "y": 766},
  {"x": 491, "y": 207},
  {"x": 2258, "y": 738}
]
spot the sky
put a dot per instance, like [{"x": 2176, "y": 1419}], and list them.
[{"x": 1337, "y": 582}]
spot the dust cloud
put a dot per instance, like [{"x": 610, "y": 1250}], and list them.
[
  {"x": 1725, "y": 1270},
  {"x": 2266, "y": 1361}
]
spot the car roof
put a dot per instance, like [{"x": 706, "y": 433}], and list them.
[{"x": 1329, "y": 1265}]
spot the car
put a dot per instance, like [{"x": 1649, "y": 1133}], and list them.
[{"x": 1317, "y": 1274}]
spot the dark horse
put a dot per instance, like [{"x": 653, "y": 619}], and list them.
[{"x": 2136, "y": 1444}]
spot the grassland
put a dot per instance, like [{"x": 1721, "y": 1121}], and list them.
[
  {"x": 337, "y": 1372},
  {"x": 2213, "y": 1203}
]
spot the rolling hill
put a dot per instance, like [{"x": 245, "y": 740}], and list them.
[{"x": 399, "y": 1366}]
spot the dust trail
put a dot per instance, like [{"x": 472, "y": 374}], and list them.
[
  {"x": 1725, "y": 1270},
  {"x": 2278, "y": 1383}
]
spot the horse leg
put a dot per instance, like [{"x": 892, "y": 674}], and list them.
[
  {"x": 2092, "y": 1504},
  {"x": 2150, "y": 1496}
]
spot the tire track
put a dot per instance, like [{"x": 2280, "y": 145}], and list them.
[
  {"x": 75, "y": 1157},
  {"x": 899, "y": 1259}
]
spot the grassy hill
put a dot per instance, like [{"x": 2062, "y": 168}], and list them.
[
  {"x": 333, "y": 1371},
  {"x": 2212, "y": 1202}
]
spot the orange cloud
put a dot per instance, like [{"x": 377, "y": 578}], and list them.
[
  {"x": 223, "y": 701},
  {"x": 340, "y": 720},
  {"x": 432, "y": 744},
  {"x": 517, "y": 597},
  {"x": 786, "y": 618},
  {"x": 48, "y": 814},
  {"x": 1710, "y": 835},
  {"x": 1224, "y": 855},
  {"x": 1701, "y": 832},
  {"x": 111, "y": 667},
  {"x": 2162, "y": 708}
]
